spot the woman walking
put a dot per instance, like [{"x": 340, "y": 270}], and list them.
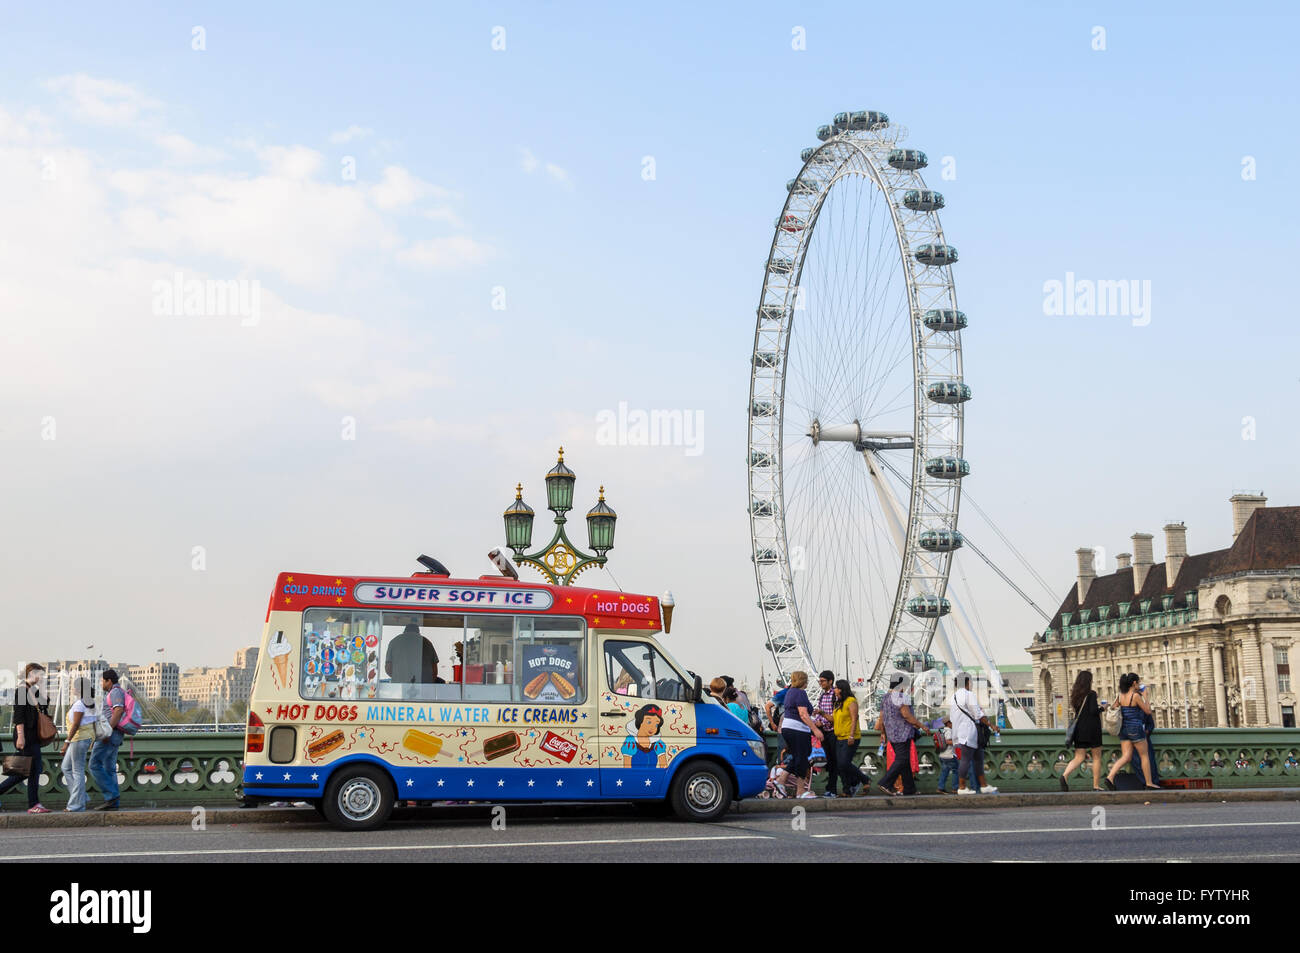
[
  {"x": 848, "y": 735},
  {"x": 798, "y": 731},
  {"x": 1132, "y": 732},
  {"x": 81, "y": 735},
  {"x": 1087, "y": 730},
  {"x": 29, "y": 705}
]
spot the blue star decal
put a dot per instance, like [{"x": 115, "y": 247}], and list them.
[{"x": 362, "y": 734}]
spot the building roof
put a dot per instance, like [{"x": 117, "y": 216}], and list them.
[{"x": 1270, "y": 540}]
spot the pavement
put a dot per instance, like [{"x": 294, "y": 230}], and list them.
[
  {"x": 1239, "y": 830},
  {"x": 20, "y": 820}
]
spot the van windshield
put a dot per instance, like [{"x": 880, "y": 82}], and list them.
[{"x": 638, "y": 669}]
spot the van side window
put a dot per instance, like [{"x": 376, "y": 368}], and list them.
[
  {"x": 637, "y": 670},
  {"x": 551, "y": 660},
  {"x": 340, "y": 654}
]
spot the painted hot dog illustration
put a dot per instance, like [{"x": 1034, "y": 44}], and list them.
[{"x": 324, "y": 745}]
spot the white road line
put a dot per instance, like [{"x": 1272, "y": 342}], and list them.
[
  {"x": 1061, "y": 830},
  {"x": 337, "y": 848}
]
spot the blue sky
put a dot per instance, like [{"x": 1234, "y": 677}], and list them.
[{"x": 521, "y": 169}]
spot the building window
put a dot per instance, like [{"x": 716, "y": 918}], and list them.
[{"x": 1283, "y": 670}]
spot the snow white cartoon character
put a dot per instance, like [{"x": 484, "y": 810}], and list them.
[{"x": 644, "y": 749}]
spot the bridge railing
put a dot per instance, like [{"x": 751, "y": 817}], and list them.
[{"x": 176, "y": 769}]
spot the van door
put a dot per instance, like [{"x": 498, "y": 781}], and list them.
[{"x": 645, "y": 720}]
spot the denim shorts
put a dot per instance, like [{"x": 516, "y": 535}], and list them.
[{"x": 1127, "y": 733}]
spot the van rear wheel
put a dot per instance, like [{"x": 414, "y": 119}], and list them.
[
  {"x": 701, "y": 792},
  {"x": 358, "y": 799}
]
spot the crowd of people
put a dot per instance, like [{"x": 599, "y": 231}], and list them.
[{"x": 97, "y": 724}]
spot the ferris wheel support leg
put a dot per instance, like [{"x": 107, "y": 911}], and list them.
[{"x": 892, "y": 507}]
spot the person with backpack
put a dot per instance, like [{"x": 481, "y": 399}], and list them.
[
  {"x": 118, "y": 717},
  {"x": 947, "y": 757},
  {"x": 33, "y": 729}
]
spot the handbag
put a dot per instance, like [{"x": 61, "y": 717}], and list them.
[
  {"x": 17, "y": 765},
  {"x": 1071, "y": 729},
  {"x": 1112, "y": 718},
  {"x": 45, "y": 730},
  {"x": 103, "y": 730}
]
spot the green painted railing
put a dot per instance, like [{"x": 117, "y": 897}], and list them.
[
  {"x": 1033, "y": 759},
  {"x": 176, "y": 770},
  {"x": 163, "y": 770}
]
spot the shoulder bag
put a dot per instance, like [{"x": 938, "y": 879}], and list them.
[
  {"x": 46, "y": 733},
  {"x": 17, "y": 765},
  {"x": 1113, "y": 718},
  {"x": 1071, "y": 729},
  {"x": 982, "y": 731}
]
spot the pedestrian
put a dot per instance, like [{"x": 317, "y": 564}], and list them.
[
  {"x": 947, "y": 759},
  {"x": 1132, "y": 730},
  {"x": 729, "y": 698},
  {"x": 31, "y": 717},
  {"x": 81, "y": 735},
  {"x": 899, "y": 725},
  {"x": 848, "y": 735},
  {"x": 825, "y": 718},
  {"x": 716, "y": 687},
  {"x": 798, "y": 731},
  {"x": 742, "y": 698},
  {"x": 967, "y": 716},
  {"x": 1087, "y": 730},
  {"x": 775, "y": 707},
  {"x": 1149, "y": 723},
  {"x": 103, "y": 755}
]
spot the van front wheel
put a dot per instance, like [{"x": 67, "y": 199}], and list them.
[
  {"x": 358, "y": 799},
  {"x": 701, "y": 792}
]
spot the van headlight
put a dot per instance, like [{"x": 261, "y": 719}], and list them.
[{"x": 759, "y": 749}]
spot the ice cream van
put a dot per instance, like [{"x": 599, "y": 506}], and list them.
[{"x": 373, "y": 690}]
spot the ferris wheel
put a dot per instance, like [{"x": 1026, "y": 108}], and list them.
[{"x": 856, "y": 410}]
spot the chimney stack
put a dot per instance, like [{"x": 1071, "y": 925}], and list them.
[
  {"x": 1175, "y": 551},
  {"x": 1123, "y": 560},
  {"x": 1142, "y": 560},
  {"x": 1087, "y": 572},
  {"x": 1243, "y": 504}
]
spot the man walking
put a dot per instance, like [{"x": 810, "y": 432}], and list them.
[
  {"x": 899, "y": 724},
  {"x": 966, "y": 717},
  {"x": 103, "y": 756},
  {"x": 825, "y": 718}
]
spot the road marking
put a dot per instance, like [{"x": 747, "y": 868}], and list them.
[
  {"x": 1062, "y": 830},
  {"x": 377, "y": 848}
]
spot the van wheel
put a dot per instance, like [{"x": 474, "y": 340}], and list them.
[
  {"x": 358, "y": 799},
  {"x": 701, "y": 792}
]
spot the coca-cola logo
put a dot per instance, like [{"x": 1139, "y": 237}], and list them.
[{"x": 562, "y": 748}]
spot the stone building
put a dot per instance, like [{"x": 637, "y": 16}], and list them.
[
  {"x": 158, "y": 680},
  {"x": 1211, "y": 634},
  {"x": 226, "y": 685}
]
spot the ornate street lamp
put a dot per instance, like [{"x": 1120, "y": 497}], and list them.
[{"x": 559, "y": 560}]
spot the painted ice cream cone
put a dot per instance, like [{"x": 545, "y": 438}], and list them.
[
  {"x": 279, "y": 652},
  {"x": 666, "y": 604}
]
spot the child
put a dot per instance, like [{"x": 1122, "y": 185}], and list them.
[
  {"x": 779, "y": 783},
  {"x": 947, "y": 759}
]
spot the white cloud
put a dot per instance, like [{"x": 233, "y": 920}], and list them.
[
  {"x": 102, "y": 101},
  {"x": 400, "y": 188},
  {"x": 530, "y": 164},
  {"x": 350, "y": 133},
  {"x": 186, "y": 151},
  {"x": 450, "y": 252},
  {"x": 291, "y": 162}
]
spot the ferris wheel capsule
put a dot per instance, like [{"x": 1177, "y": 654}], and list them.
[
  {"x": 771, "y": 312},
  {"x": 802, "y": 187},
  {"x": 947, "y": 468},
  {"x": 944, "y": 319},
  {"x": 773, "y": 603},
  {"x": 781, "y": 266},
  {"x": 760, "y": 458},
  {"x": 948, "y": 392},
  {"x": 923, "y": 200},
  {"x": 940, "y": 540},
  {"x": 762, "y": 408},
  {"x": 928, "y": 607},
  {"x": 908, "y": 160},
  {"x": 790, "y": 223},
  {"x": 825, "y": 132},
  {"x": 936, "y": 255}
]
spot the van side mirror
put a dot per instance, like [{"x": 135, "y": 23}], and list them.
[{"x": 698, "y": 691}]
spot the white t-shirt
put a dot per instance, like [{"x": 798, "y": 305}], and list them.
[
  {"x": 963, "y": 728},
  {"x": 88, "y": 715}
]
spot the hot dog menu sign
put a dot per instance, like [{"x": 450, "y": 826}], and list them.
[{"x": 549, "y": 673}]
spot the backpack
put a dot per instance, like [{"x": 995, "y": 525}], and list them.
[
  {"x": 131, "y": 721},
  {"x": 756, "y": 719},
  {"x": 940, "y": 743}
]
